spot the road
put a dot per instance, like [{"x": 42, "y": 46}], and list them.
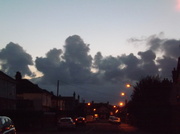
[{"x": 92, "y": 128}]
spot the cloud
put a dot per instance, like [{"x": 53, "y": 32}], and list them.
[
  {"x": 167, "y": 47},
  {"x": 14, "y": 58},
  {"x": 171, "y": 48},
  {"x": 100, "y": 78},
  {"x": 132, "y": 71},
  {"x": 52, "y": 67},
  {"x": 147, "y": 56},
  {"x": 97, "y": 60},
  {"x": 166, "y": 64},
  {"x": 76, "y": 51},
  {"x": 148, "y": 64},
  {"x": 77, "y": 59},
  {"x": 71, "y": 66}
]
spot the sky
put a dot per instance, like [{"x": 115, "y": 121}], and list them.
[{"x": 93, "y": 47}]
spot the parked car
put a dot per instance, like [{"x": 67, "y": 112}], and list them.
[
  {"x": 80, "y": 121},
  {"x": 7, "y": 125},
  {"x": 66, "y": 122},
  {"x": 114, "y": 120}
]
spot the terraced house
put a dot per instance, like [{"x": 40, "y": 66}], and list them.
[{"x": 7, "y": 92}]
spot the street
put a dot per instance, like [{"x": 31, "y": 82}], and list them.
[{"x": 92, "y": 128}]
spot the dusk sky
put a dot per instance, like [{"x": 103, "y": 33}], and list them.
[{"x": 93, "y": 47}]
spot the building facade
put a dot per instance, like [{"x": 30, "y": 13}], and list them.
[
  {"x": 31, "y": 97},
  {"x": 7, "y": 92}
]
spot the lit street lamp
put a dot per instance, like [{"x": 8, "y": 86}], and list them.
[
  {"x": 128, "y": 85},
  {"x": 121, "y": 104},
  {"x": 122, "y": 94}
]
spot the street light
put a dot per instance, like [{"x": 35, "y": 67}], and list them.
[
  {"x": 122, "y": 94},
  {"x": 128, "y": 85},
  {"x": 121, "y": 104}
]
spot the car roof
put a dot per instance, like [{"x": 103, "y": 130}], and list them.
[
  {"x": 66, "y": 118},
  {"x": 80, "y": 117},
  {"x": 2, "y": 117}
]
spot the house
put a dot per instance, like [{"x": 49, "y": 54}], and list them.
[
  {"x": 31, "y": 97},
  {"x": 98, "y": 110},
  {"x": 57, "y": 103},
  {"x": 69, "y": 105},
  {"x": 103, "y": 110},
  {"x": 7, "y": 92}
]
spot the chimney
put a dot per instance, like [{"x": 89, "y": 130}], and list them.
[{"x": 18, "y": 76}]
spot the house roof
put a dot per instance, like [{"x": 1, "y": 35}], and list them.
[
  {"x": 4, "y": 76},
  {"x": 68, "y": 98},
  {"x": 25, "y": 86}
]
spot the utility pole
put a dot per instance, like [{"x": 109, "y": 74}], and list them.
[
  {"x": 57, "y": 88},
  {"x": 57, "y": 94}
]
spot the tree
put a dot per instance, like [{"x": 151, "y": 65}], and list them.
[{"x": 150, "y": 102}]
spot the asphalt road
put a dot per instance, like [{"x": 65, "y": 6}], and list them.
[{"x": 92, "y": 128}]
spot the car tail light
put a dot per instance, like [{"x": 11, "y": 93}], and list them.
[{"x": 7, "y": 128}]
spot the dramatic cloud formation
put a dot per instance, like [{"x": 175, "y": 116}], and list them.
[
  {"x": 51, "y": 67},
  {"x": 13, "y": 58},
  {"x": 77, "y": 59},
  {"x": 99, "y": 78}
]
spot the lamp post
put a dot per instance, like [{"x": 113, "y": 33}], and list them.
[{"x": 124, "y": 104}]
